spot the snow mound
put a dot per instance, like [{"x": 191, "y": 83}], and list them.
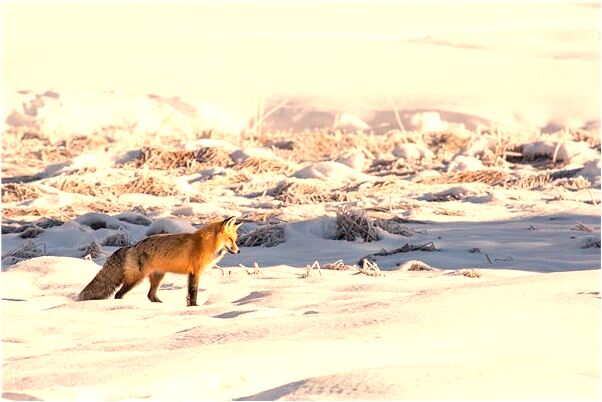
[
  {"x": 170, "y": 225},
  {"x": 471, "y": 192},
  {"x": 349, "y": 122},
  {"x": 61, "y": 115},
  {"x": 567, "y": 151},
  {"x": 97, "y": 220},
  {"x": 413, "y": 152},
  {"x": 241, "y": 155},
  {"x": 428, "y": 122},
  {"x": 329, "y": 170},
  {"x": 462, "y": 163},
  {"x": 355, "y": 160},
  {"x": 46, "y": 276},
  {"x": 591, "y": 171}
]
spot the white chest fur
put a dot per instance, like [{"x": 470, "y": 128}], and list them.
[{"x": 218, "y": 256}]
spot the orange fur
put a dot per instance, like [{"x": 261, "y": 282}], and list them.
[{"x": 181, "y": 253}]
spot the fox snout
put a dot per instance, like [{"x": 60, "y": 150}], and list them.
[{"x": 233, "y": 250}]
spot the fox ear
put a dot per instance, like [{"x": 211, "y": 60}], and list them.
[{"x": 227, "y": 223}]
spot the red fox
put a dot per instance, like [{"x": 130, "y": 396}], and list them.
[{"x": 181, "y": 253}]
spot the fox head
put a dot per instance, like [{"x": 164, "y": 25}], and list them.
[{"x": 227, "y": 235}]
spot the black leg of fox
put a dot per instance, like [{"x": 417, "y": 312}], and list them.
[
  {"x": 193, "y": 284},
  {"x": 155, "y": 279},
  {"x": 126, "y": 287}
]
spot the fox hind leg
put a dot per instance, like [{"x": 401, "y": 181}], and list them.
[
  {"x": 155, "y": 279},
  {"x": 131, "y": 279}
]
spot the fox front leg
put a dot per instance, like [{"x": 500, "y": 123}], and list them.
[{"x": 193, "y": 284}]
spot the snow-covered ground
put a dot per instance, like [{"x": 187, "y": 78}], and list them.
[{"x": 469, "y": 146}]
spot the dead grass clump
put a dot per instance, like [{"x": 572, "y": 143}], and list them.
[
  {"x": 31, "y": 232},
  {"x": 574, "y": 184},
  {"x": 310, "y": 268},
  {"x": 338, "y": 265},
  {"x": 261, "y": 165},
  {"x": 119, "y": 239},
  {"x": 385, "y": 167},
  {"x": 136, "y": 219},
  {"x": 303, "y": 192},
  {"x": 74, "y": 184},
  {"x": 266, "y": 236},
  {"x": 582, "y": 227},
  {"x": 592, "y": 242},
  {"x": 351, "y": 224},
  {"x": 415, "y": 265},
  {"x": 530, "y": 182},
  {"x": 213, "y": 156},
  {"x": 470, "y": 273},
  {"x": 395, "y": 225},
  {"x": 369, "y": 268},
  {"x": 592, "y": 137},
  {"x": 19, "y": 192},
  {"x": 490, "y": 176},
  {"x": 255, "y": 271},
  {"x": 156, "y": 158},
  {"x": 406, "y": 248},
  {"x": 262, "y": 217},
  {"x": 446, "y": 142},
  {"x": 152, "y": 185},
  {"x": 93, "y": 250},
  {"x": 27, "y": 249}
]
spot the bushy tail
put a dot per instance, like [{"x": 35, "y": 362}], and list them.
[{"x": 107, "y": 279}]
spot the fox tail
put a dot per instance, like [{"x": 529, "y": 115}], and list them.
[{"x": 107, "y": 279}]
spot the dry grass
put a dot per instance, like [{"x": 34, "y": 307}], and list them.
[
  {"x": 255, "y": 271},
  {"x": 119, "y": 239},
  {"x": 156, "y": 158},
  {"x": 338, "y": 265},
  {"x": 262, "y": 218},
  {"x": 415, "y": 265},
  {"x": 27, "y": 249},
  {"x": 306, "y": 192},
  {"x": 310, "y": 268},
  {"x": 396, "y": 225},
  {"x": 17, "y": 192},
  {"x": 75, "y": 184},
  {"x": 593, "y": 242},
  {"x": 385, "y": 167},
  {"x": 406, "y": 248},
  {"x": 470, "y": 272},
  {"x": 530, "y": 182},
  {"x": 351, "y": 224},
  {"x": 582, "y": 227},
  {"x": 153, "y": 185},
  {"x": 369, "y": 268},
  {"x": 266, "y": 236},
  {"x": 260, "y": 165},
  {"x": 490, "y": 177},
  {"x": 31, "y": 232},
  {"x": 573, "y": 184},
  {"x": 93, "y": 250}
]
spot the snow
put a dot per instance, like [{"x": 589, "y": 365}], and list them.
[
  {"x": 414, "y": 152},
  {"x": 567, "y": 151},
  {"x": 591, "y": 171},
  {"x": 329, "y": 170},
  {"x": 356, "y": 160},
  {"x": 387, "y": 116},
  {"x": 167, "y": 225},
  {"x": 462, "y": 163},
  {"x": 241, "y": 155}
]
